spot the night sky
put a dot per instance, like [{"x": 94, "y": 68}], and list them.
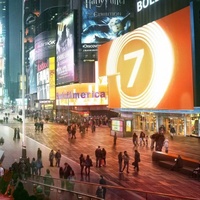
[{"x": 15, "y": 26}]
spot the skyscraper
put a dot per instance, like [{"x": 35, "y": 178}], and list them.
[{"x": 3, "y": 41}]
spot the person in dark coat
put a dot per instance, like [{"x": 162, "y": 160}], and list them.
[
  {"x": 137, "y": 160},
  {"x": 61, "y": 176},
  {"x": 15, "y": 167},
  {"x": 102, "y": 181},
  {"x": 98, "y": 156},
  {"x": 120, "y": 160},
  {"x": 160, "y": 139},
  {"x": 39, "y": 153},
  {"x": 134, "y": 138},
  {"x": 88, "y": 164},
  {"x": 82, "y": 163},
  {"x": 51, "y": 157},
  {"x": 58, "y": 158},
  {"x": 103, "y": 154},
  {"x": 67, "y": 169},
  {"x": 20, "y": 193}
]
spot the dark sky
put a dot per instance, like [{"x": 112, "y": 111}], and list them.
[{"x": 15, "y": 27}]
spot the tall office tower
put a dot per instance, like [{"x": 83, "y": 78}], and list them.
[
  {"x": 31, "y": 13},
  {"x": 3, "y": 72}
]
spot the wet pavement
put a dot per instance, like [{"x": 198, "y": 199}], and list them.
[{"x": 150, "y": 178}]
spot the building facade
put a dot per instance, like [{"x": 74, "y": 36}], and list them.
[{"x": 77, "y": 78}]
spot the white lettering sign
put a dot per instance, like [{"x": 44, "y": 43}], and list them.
[{"x": 145, "y": 4}]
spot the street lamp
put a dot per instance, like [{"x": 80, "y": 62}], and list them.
[{"x": 23, "y": 85}]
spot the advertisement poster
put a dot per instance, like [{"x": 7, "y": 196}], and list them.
[
  {"x": 103, "y": 21},
  {"x": 32, "y": 73},
  {"x": 43, "y": 84},
  {"x": 65, "y": 51},
  {"x": 150, "y": 68},
  {"x": 81, "y": 95},
  {"x": 45, "y": 45}
]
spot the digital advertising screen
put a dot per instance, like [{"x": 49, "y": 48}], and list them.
[
  {"x": 45, "y": 45},
  {"x": 128, "y": 125},
  {"x": 151, "y": 67},
  {"x": 32, "y": 73},
  {"x": 65, "y": 51},
  {"x": 103, "y": 21},
  {"x": 117, "y": 125},
  {"x": 52, "y": 79},
  {"x": 82, "y": 95},
  {"x": 43, "y": 84}
]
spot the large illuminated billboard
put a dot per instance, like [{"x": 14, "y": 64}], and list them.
[
  {"x": 65, "y": 51},
  {"x": 43, "y": 80},
  {"x": 84, "y": 94},
  {"x": 103, "y": 21},
  {"x": 151, "y": 67},
  {"x": 32, "y": 73}
]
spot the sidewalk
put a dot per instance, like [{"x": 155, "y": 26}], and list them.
[{"x": 151, "y": 177}]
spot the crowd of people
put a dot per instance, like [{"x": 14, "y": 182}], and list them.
[
  {"x": 23, "y": 169},
  {"x": 159, "y": 140}
]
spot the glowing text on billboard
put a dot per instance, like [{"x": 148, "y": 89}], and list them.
[
  {"x": 145, "y": 4},
  {"x": 100, "y": 3},
  {"x": 76, "y": 95}
]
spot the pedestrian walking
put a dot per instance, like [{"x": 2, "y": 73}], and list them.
[
  {"x": 22, "y": 169},
  {"x": 136, "y": 161},
  {"x": 160, "y": 138},
  {"x": 69, "y": 130},
  {"x": 37, "y": 126},
  {"x": 58, "y": 158},
  {"x": 39, "y": 154},
  {"x": 98, "y": 156},
  {"x": 61, "y": 176},
  {"x": 126, "y": 159},
  {"x": 39, "y": 165},
  {"x": 67, "y": 169},
  {"x": 51, "y": 157},
  {"x": 142, "y": 137},
  {"x": 103, "y": 157},
  {"x": 134, "y": 138},
  {"x": 41, "y": 124},
  {"x": 102, "y": 181},
  {"x": 73, "y": 131},
  {"x": 33, "y": 167},
  {"x": 172, "y": 132},
  {"x": 88, "y": 164},
  {"x": 82, "y": 163},
  {"x": 48, "y": 180},
  {"x": 153, "y": 140},
  {"x": 15, "y": 133},
  {"x": 15, "y": 167},
  {"x": 70, "y": 180},
  {"x": 120, "y": 159},
  {"x": 115, "y": 138},
  {"x": 93, "y": 125}
]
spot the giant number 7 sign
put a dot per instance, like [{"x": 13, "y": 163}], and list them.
[{"x": 150, "y": 67}]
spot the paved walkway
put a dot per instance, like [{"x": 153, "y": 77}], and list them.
[{"x": 151, "y": 177}]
